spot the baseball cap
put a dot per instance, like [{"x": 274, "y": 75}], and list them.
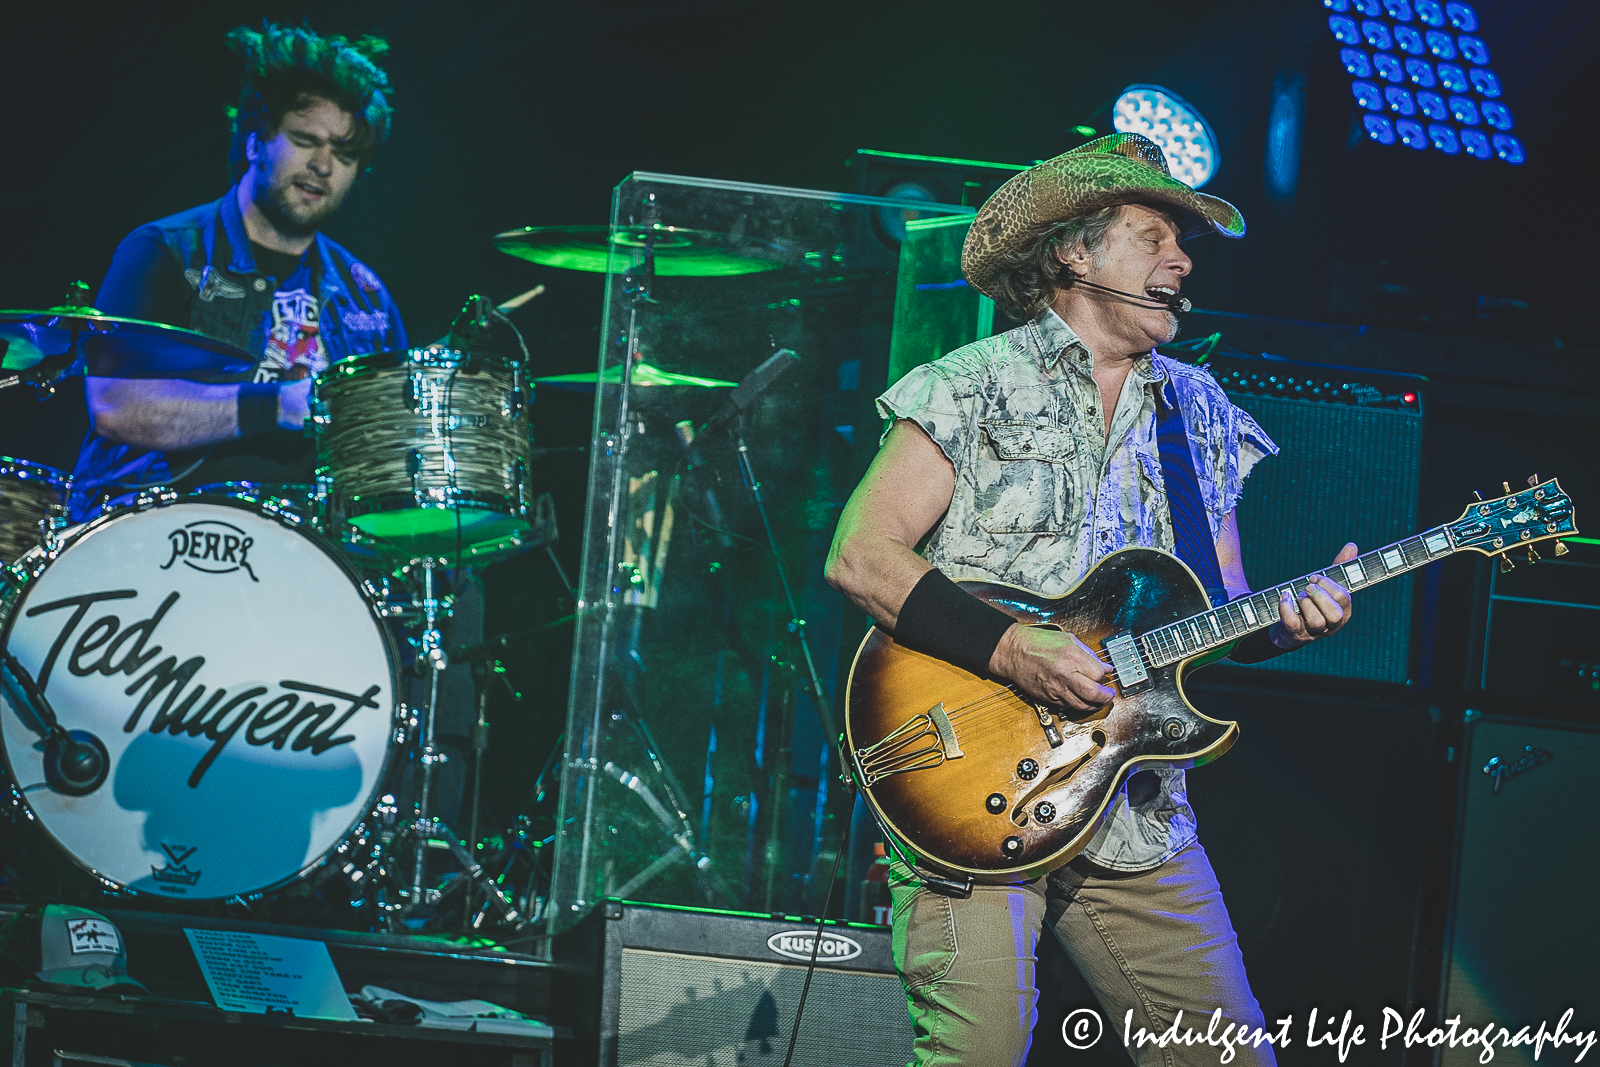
[{"x": 69, "y": 949}]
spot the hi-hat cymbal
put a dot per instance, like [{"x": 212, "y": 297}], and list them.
[
  {"x": 678, "y": 252},
  {"x": 115, "y": 347},
  {"x": 643, "y": 374}
]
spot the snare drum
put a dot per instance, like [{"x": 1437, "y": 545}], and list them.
[
  {"x": 428, "y": 450},
  {"x": 238, "y": 676},
  {"x": 28, "y": 491}
]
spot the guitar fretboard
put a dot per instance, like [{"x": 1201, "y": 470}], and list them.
[{"x": 1233, "y": 620}]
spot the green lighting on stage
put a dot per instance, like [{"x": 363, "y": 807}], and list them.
[{"x": 938, "y": 159}]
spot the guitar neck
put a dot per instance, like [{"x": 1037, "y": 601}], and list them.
[{"x": 1220, "y": 626}]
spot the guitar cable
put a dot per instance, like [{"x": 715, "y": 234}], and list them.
[{"x": 816, "y": 938}]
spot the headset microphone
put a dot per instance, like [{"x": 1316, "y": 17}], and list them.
[{"x": 1161, "y": 303}]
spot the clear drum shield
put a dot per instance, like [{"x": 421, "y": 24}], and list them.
[{"x": 699, "y": 764}]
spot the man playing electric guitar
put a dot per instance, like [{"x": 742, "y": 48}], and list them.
[{"x": 1024, "y": 459}]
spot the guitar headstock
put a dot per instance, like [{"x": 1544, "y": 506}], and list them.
[{"x": 1538, "y": 513}]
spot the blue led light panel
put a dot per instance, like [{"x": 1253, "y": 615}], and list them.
[{"x": 1420, "y": 75}]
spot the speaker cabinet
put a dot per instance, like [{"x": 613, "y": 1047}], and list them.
[
  {"x": 1349, "y": 470},
  {"x": 660, "y": 986},
  {"x": 1541, "y": 628},
  {"x": 1523, "y": 938}
]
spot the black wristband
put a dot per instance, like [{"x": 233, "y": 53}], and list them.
[
  {"x": 941, "y": 619},
  {"x": 1258, "y": 648},
  {"x": 258, "y": 408}
]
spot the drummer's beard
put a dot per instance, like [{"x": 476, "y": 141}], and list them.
[{"x": 292, "y": 216}]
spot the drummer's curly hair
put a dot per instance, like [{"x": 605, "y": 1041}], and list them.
[{"x": 287, "y": 68}]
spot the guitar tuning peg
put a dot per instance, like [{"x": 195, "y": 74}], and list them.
[
  {"x": 1561, "y": 549},
  {"x": 1533, "y": 557},
  {"x": 1506, "y": 566},
  {"x": 1533, "y": 481},
  {"x": 1506, "y": 488},
  {"x": 1477, "y": 494}
]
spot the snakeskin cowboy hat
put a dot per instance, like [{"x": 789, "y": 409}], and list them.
[{"x": 1119, "y": 169}]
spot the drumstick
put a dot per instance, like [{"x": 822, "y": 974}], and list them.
[{"x": 517, "y": 301}]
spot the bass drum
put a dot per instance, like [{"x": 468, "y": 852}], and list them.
[{"x": 238, "y": 676}]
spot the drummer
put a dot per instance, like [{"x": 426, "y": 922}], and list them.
[{"x": 253, "y": 270}]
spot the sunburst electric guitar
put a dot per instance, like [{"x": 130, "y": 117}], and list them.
[{"x": 981, "y": 781}]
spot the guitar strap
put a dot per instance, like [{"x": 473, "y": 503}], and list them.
[{"x": 1190, "y": 527}]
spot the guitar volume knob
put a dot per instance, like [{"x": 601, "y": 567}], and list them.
[
  {"x": 1044, "y": 811},
  {"x": 1028, "y": 770},
  {"x": 996, "y": 804},
  {"x": 1012, "y": 846}
]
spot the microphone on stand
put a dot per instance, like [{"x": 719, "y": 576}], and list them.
[
  {"x": 1174, "y": 302},
  {"x": 751, "y": 386},
  {"x": 75, "y": 761},
  {"x": 744, "y": 394},
  {"x": 470, "y": 323}
]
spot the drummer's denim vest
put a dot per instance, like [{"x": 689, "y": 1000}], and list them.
[{"x": 232, "y": 302}]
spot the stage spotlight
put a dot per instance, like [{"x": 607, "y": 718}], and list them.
[
  {"x": 1444, "y": 139},
  {"x": 1388, "y": 68},
  {"x": 1367, "y": 95},
  {"x": 1392, "y": 41},
  {"x": 1379, "y": 129},
  {"x": 1355, "y": 62},
  {"x": 1496, "y": 115},
  {"x": 1508, "y": 148},
  {"x": 1173, "y": 123},
  {"x": 1420, "y": 73}
]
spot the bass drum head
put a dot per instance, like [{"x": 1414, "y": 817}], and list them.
[{"x": 239, "y": 680}]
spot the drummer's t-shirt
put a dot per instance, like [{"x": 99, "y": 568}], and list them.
[{"x": 294, "y": 346}]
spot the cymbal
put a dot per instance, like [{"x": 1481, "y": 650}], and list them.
[
  {"x": 643, "y": 374},
  {"x": 679, "y": 252},
  {"x": 115, "y": 347}
]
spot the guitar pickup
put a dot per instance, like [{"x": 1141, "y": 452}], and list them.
[{"x": 1132, "y": 677}]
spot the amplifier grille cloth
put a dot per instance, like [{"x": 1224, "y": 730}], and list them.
[
  {"x": 1345, "y": 473},
  {"x": 1525, "y": 938},
  {"x": 678, "y": 1010}
]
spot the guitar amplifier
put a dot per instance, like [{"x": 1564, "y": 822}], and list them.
[
  {"x": 1541, "y": 629},
  {"x": 655, "y": 985},
  {"x": 1349, "y": 470},
  {"x": 1523, "y": 939}
]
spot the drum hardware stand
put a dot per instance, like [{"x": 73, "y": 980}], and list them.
[
  {"x": 797, "y": 626},
  {"x": 486, "y": 671},
  {"x": 427, "y": 830}
]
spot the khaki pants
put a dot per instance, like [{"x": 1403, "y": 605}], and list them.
[{"x": 1152, "y": 942}]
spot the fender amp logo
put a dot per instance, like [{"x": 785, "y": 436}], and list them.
[
  {"x": 211, "y": 546},
  {"x": 798, "y": 945},
  {"x": 1500, "y": 770}
]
